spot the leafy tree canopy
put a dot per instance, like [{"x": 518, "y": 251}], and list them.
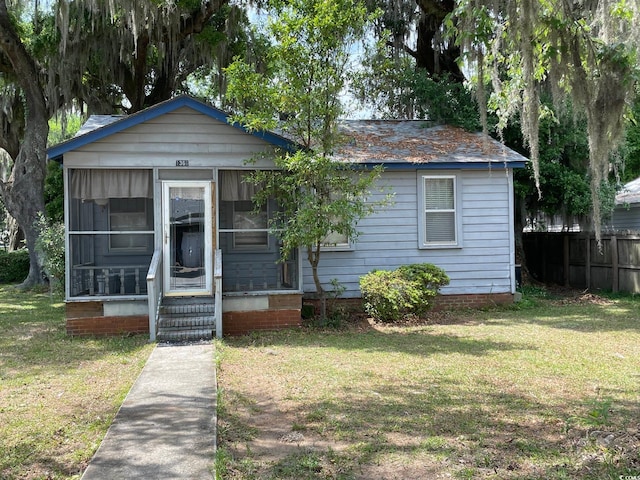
[
  {"x": 299, "y": 92},
  {"x": 512, "y": 51},
  {"x": 584, "y": 50}
]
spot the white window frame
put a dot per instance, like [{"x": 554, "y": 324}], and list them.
[
  {"x": 422, "y": 180},
  {"x": 341, "y": 246},
  {"x": 127, "y": 231},
  {"x": 329, "y": 246},
  {"x": 239, "y": 231}
]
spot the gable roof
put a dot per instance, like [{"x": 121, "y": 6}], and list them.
[
  {"x": 412, "y": 143},
  {"x": 98, "y": 127},
  {"x": 630, "y": 193},
  {"x": 395, "y": 144}
]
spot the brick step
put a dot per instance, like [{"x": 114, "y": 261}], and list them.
[
  {"x": 186, "y": 319},
  {"x": 190, "y": 322},
  {"x": 187, "y": 309},
  {"x": 182, "y": 335}
]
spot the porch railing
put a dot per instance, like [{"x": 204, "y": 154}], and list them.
[
  {"x": 259, "y": 275},
  {"x": 154, "y": 292},
  {"x": 107, "y": 280},
  {"x": 217, "y": 277}
]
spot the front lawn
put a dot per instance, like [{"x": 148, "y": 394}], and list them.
[
  {"x": 58, "y": 395},
  {"x": 548, "y": 389}
]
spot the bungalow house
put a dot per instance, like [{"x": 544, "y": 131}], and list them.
[{"x": 162, "y": 236}]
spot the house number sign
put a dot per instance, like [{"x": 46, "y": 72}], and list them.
[{"x": 182, "y": 163}]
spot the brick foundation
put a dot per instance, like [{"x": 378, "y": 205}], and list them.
[
  {"x": 285, "y": 302},
  {"x": 240, "y": 323},
  {"x": 86, "y": 318},
  {"x": 449, "y": 302},
  {"x": 83, "y": 309},
  {"x": 104, "y": 326},
  {"x": 442, "y": 302},
  {"x": 283, "y": 311},
  {"x": 348, "y": 304}
]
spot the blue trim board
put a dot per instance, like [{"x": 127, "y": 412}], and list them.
[
  {"x": 497, "y": 165},
  {"x": 154, "y": 112}
]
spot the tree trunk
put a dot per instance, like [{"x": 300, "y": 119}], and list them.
[
  {"x": 23, "y": 192},
  {"x": 16, "y": 235},
  {"x": 441, "y": 61},
  {"x": 521, "y": 257},
  {"x": 314, "y": 259}
]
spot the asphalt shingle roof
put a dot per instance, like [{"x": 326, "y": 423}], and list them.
[
  {"x": 630, "y": 193},
  {"x": 412, "y": 141},
  {"x": 97, "y": 121}
]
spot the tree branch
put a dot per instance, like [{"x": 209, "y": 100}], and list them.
[
  {"x": 23, "y": 65},
  {"x": 198, "y": 19},
  {"x": 405, "y": 48}
]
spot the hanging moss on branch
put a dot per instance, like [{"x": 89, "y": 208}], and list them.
[
  {"x": 587, "y": 51},
  {"x": 146, "y": 50}
]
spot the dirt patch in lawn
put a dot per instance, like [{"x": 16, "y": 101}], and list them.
[
  {"x": 275, "y": 437},
  {"x": 584, "y": 298}
]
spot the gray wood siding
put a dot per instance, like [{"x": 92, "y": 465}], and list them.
[
  {"x": 180, "y": 135},
  {"x": 626, "y": 217},
  {"x": 389, "y": 238}
]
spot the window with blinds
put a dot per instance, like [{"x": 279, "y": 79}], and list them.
[
  {"x": 439, "y": 207},
  {"x": 335, "y": 240}
]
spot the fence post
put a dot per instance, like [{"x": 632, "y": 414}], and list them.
[
  {"x": 565, "y": 259},
  {"x": 544, "y": 256},
  {"x": 614, "y": 263},
  {"x": 587, "y": 262}
]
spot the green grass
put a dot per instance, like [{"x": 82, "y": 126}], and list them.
[
  {"x": 527, "y": 391},
  {"x": 58, "y": 395}
]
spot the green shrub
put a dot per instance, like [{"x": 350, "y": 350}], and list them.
[
  {"x": 50, "y": 246},
  {"x": 14, "y": 266},
  {"x": 430, "y": 276},
  {"x": 389, "y": 296}
]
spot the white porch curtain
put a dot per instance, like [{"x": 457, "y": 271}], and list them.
[
  {"x": 234, "y": 187},
  {"x": 101, "y": 184}
]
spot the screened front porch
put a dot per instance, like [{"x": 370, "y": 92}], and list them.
[{"x": 111, "y": 234}]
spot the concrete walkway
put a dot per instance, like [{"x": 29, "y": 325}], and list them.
[{"x": 166, "y": 426}]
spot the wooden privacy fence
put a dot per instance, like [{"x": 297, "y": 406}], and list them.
[{"x": 574, "y": 260}]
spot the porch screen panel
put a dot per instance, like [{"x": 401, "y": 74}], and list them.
[
  {"x": 111, "y": 231},
  {"x": 250, "y": 253}
]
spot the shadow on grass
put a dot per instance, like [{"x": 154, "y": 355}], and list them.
[
  {"x": 477, "y": 427},
  {"x": 590, "y": 314},
  {"x": 35, "y": 464},
  {"x": 620, "y": 315},
  {"x": 33, "y": 337},
  {"x": 414, "y": 343},
  {"x": 484, "y": 432},
  {"x": 581, "y": 312}
]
